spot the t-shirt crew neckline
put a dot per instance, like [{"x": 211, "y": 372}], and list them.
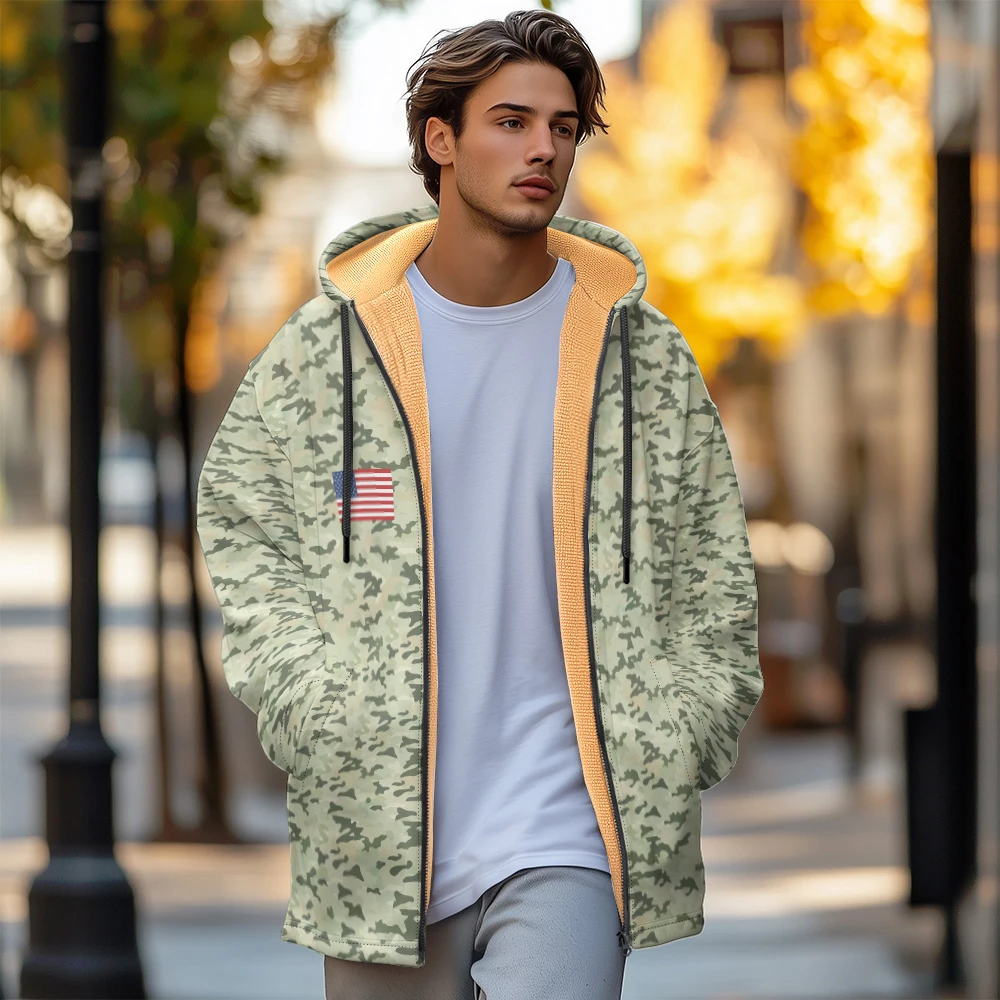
[{"x": 479, "y": 315}]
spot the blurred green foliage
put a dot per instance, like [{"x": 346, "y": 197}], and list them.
[
  {"x": 30, "y": 91},
  {"x": 204, "y": 95},
  {"x": 171, "y": 69}
]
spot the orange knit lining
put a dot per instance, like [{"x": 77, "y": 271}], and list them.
[{"x": 373, "y": 274}]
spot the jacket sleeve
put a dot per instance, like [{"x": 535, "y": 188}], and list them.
[
  {"x": 712, "y": 622},
  {"x": 273, "y": 650}
]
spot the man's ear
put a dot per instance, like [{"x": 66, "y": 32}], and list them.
[{"x": 440, "y": 141}]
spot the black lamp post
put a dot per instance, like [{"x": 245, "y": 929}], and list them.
[{"x": 81, "y": 910}]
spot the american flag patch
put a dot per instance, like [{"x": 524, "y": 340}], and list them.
[{"x": 371, "y": 495}]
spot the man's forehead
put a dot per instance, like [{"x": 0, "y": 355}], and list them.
[{"x": 517, "y": 84}]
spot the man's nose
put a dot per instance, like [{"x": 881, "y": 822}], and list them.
[{"x": 542, "y": 147}]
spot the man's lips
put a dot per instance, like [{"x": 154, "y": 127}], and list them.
[{"x": 536, "y": 187}]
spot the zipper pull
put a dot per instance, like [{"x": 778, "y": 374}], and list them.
[{"x": 624, "y": 943}]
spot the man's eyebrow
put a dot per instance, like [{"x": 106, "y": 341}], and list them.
[{"x": 529, "y": 111}]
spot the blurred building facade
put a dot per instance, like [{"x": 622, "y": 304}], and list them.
[{"x": 967, "y": 130}]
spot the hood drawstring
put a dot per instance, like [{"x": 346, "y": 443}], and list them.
[
  {"x": 627, "y": 446},
  {"x": 348, "y": 481}
]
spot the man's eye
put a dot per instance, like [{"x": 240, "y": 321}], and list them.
[{"x": 565, "y": 129}]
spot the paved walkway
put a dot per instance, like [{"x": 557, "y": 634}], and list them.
[
  {"x": 806, "y": 898},
  {"x": 806, "y": 878}
]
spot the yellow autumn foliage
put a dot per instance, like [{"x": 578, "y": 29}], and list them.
[
  {"x": 705, "y": 211},
  {"x": 864, "y": 157}
]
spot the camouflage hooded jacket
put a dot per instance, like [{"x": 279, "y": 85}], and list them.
[{"x": 329, "y": 626}]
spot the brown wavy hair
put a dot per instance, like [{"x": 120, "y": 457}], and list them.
[{"x": 453, "y": 65}]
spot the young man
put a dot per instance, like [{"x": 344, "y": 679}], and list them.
[{"x": 497, "y": 711}]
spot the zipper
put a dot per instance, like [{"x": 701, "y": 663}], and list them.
[
  {"x": 422, "y": 934},
  {"x": 625, "y": 934}
]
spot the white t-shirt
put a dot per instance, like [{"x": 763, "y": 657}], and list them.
[{"x": 509, "y": 788}]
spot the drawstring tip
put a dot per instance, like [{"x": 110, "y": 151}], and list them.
[
  {"x": 625, "y": 573},
  {"x": 347, "y": 548}
]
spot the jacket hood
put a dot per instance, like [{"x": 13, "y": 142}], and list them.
[
  {"x": 372, "y": 256},
  {"x": 364, "y": 269}
]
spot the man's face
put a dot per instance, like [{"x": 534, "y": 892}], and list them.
[{"x": 521, "y": 123}]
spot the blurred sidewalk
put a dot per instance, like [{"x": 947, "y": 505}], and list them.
[
  {"x": 806, "y": 880},
  {"x": 806, "y": 898}
]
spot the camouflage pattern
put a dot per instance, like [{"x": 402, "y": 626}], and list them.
[
  {"x": 676, "y": 647},
  {"x": 329, "y": 654}
]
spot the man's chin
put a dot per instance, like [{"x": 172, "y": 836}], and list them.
[
  {"x": 527, "y": 228},
  {"x": 513, "y": 219},
  {"x": 526, "y": 219}
]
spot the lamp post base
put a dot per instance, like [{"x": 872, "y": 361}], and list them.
[{"x": 81, "y": 909}]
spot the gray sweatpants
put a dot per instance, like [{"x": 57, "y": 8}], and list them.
[{"x": 542, "y": 934}]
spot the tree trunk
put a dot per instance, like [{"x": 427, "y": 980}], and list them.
[
  {"x": 169, "y": 830},
  {"x": 214, "y": 824}
]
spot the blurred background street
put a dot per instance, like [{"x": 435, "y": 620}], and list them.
[
  {"x": 814, "y": 185},
  {"x": 807, "y": 873}
]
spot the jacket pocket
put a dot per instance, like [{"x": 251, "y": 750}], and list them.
[
  {"x": 290, "y": 725},
  {"x": 686, "y": 721}
]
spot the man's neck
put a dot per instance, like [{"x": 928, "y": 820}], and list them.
[{"x": 473, "y": 265}]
